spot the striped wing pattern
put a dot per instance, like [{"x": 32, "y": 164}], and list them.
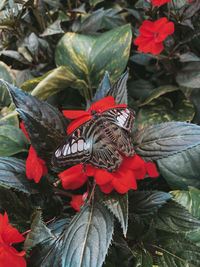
[{"x": 99, "y": 141}]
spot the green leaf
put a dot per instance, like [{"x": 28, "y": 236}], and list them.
[
  {"x": 174, "y": 250},
  {"x": 144, "y": 259},
  {"x": 181, "y": 169},
  {"x": 163, "y": 110},
  {"x": 5, "y": 74},
  {"x": 103, "y": 88},
  {"x": 118, "y": 205},
  {"x": 90, "y": 231},
  {"x": 165, "y": 139},
  {"x": 155, "y": 93},
  {"x": 189, "y": 76},
  {"x": 174, "y": 218},
  {"x": 12, "y": 141},
  {"x": 191, "y": 201},
  {"x": 39, "y": 232},
  {"x": 145, "y": 203},
  {"x": 95, "y": 2},
  {"x": 88, "y": 57},
  {"x": 57, "y": 80},
  {"x": 119, "y": 90},
  {"x": 13, "y": 175},
  {"x": 45, "y": 125}
]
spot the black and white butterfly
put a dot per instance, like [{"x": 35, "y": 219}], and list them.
[{"x": 100, "y": 142}]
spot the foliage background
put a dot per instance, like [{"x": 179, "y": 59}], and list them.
[{"x": 59, "y": 51}]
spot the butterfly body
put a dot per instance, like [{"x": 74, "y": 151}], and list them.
[{"x": 100, "y": 141}]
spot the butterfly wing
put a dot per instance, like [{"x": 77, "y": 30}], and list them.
[
  {"x": 120, "y": 122},
  {"x": 88, "y": 144}
]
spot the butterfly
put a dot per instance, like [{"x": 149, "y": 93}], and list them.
[{"x": 100, "y": 141}]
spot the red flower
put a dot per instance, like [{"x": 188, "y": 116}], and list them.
[
  {"x": 78, "y": 200},
  {"x": 153, "y": 34},
  {"x": 35, "y": 167},
  {"x": 9, "y": 256},
  {"x": 122, "y": 180},
  {"x": 159, "y": 2},
  {"x": 84, "y": 116}
]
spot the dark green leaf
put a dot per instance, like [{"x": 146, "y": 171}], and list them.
[
  {"x": 189, "y": 76},
  {"x": 174, "y": 250},
  {"x": 119, "y": 90},
  {"x": 146, "y": 203},
  {"x": 174, "y": 218},
  {"x": 54, "y": 28},
  {"x": 188, "y": 57},
  {"x": 13, "y": 175},
  {"x": 181, "y": 169},
  {"x": 93, "y": 22},
  {"x": 142, "y": 58},
  {"x": 103, "y": 88},
  {"x": 12, "y": 141},
  {"x": 165, "y": 139},
  {"x": 118, "y": 205},
  {"x": 88, "y": 56},
  {"x": 39, "y": 232},
  {"x": 90, "y": 231},
  {"x": 45, "y": 125}
]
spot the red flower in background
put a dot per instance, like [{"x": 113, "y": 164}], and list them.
[
  {"x": 35, "y": 167},
  {"x": 153, "y": 34},
  {"x": 159, "y": 2},
  {"x": 122, "y": 180},
  {"x": 9, "y": 256}
]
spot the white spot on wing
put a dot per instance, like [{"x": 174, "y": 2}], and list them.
[
  {"x": 80, "y": 145},
  {"x": 74, "y": 148},
  {"x": 65, "y": 149},
  {"x": 58, "y": 153}
]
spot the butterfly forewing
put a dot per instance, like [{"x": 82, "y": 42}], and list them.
[{"x": 99, "y": 141}]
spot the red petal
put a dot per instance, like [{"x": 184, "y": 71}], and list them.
[
  {"x": 104, "y": 104},
  {"x": 77, "y": 202},
  {"x": 159, "y": 2},
  {"x": 151, "y": 169},
  {"x": 90, "y": 170},
  {"x": 147, "y": 28},
  {"x": 124, "y": 180},
  {"x": 103, "y": 177},
  {"x": 73, "y": 177},
  {"x": 106, "y": 188},
  {"x": 74, "y": 114},
  {"x": 34, "y": 168},
  {"x": 9, "y": 257},
  {"x": 166, "y": 30},
  {"x": 76, "y": 123},
  {"x": 24, "y": 130}
]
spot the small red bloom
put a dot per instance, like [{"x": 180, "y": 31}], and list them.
[
  {"x": 159, "y": 2},
  {"x": 153, "y": 34},
  {"x": 35, "y": 167},
  {"x": 84, "y": 116},
  {"x": 78, "y": 200},
  {"x": 9, "y": 256}
]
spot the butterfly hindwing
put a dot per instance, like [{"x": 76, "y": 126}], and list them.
[{"x": 120, "y": 122}]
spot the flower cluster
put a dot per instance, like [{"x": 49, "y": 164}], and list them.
[
  {"x": 9, "y": 256},
  {"x": 122, "y": 180}
]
